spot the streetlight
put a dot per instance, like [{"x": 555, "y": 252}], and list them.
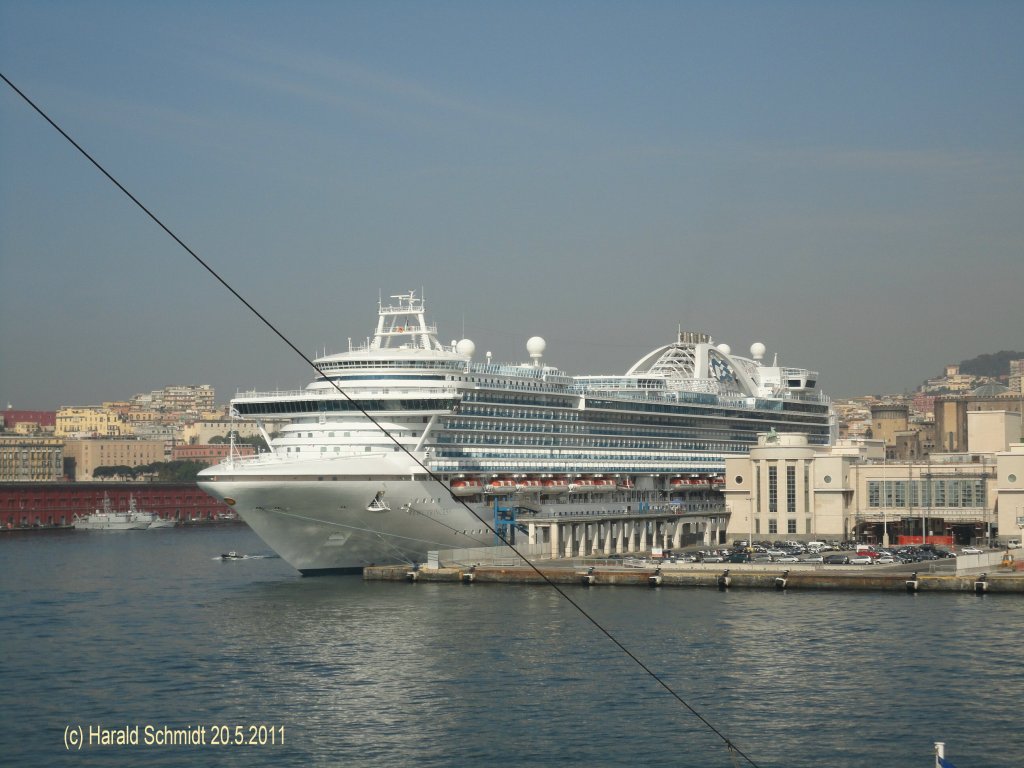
[
  {"x": 750, "y": 506},
  {"x": 885, "y": 525}
]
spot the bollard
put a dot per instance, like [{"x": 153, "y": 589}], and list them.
[
  {"x": 724, "y": 580},
  {"x": 468, "y": 578},
  {"x": 412, "y": 576},
  {"x": 912, "y": 583},
  {"x": 780, "y": 581},
  {"x": 655, "y": 579},
  {"x": 588, "y": 577},
  {"x": 981, "y": 585}
]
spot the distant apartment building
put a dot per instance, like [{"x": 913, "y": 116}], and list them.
[
  {"x": 156, "y": 430},
  {"x": 953, "y": 381},
  {"x": 209, "y": 454},
  {"x": 201, "y": 432},
  {"x": 1016, "y": 375},
  {"x": 951, "y": 413},
  {"x": 89, "y": 420},
  {"x": 27, "y": 422},
  {"x": 924, "y": 404},
  {"x": 179, "y": 398},
  {"x": 26, "y": 458},
  {"x": 84, "y": 456}
]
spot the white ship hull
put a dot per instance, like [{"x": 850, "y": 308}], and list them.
[{"x": 327, "y": 526}]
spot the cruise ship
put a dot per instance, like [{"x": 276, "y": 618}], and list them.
[{"x": 401, "y": 445}]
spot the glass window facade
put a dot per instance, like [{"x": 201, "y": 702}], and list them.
[{"x": 936, "y": 492}]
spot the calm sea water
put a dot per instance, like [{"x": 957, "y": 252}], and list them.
[{"x": 142, "y": 629}]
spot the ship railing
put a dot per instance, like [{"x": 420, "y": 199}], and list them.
[
  {"x": 356, "y": 393},
  {"x": 606, "y": 467}
]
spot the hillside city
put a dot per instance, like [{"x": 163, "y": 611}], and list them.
[{"x": 173, "y": 432}]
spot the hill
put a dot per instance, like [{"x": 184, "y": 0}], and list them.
[{"x": 997, "y": 364}]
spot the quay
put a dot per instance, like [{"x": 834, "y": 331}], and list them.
[{"x": 829, "y": 578}]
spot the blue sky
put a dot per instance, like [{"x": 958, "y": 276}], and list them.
[{"x": 841, "y": 181}]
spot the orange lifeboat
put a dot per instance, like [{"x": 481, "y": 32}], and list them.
[
  {"x": 466, "y": 487},
  {"x": 530, "y": 486},
  {"x": 555, "y": 485},
  {"x": 501, "y": 486},
  {"x": 676, "y": 482},
  {"x": 603, "y": 486}
]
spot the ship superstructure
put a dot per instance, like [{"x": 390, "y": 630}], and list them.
[{"x": 336, "y": 491}]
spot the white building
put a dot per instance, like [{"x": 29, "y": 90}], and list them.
[{"x": 787, "y": 489}]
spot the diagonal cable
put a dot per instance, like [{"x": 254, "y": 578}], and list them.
[{"x": 651, "y": 673}]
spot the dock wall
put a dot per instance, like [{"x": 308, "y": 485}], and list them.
[{"x": 995, "y": 583}]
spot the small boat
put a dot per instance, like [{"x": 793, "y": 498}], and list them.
[{"x": 232, "y": 555}]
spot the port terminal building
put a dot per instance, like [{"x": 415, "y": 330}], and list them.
[{"x": 788, "y": 489}]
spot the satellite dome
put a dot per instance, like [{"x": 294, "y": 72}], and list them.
[
  {"x": 535, "y": 345},
  {"x": 757, "y": 350},
  {"x": 465, "y": 347},
  {"x": 725, "y": 349}
]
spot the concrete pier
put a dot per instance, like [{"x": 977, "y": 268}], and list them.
[{"x": 997, "y": 583}]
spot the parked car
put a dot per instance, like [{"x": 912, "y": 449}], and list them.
[
  {"x": 811, "y": 558},
  {"x": 863, "y": 559},
  {"x": 971, "y": 551},
  {"x": 738, "y": 557},
  {"x": 787, "y": 559},
  {"x": 886, "y": 560},
  {"x": 836, "y": 560},
  {"x": 712, "y": 559}
]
